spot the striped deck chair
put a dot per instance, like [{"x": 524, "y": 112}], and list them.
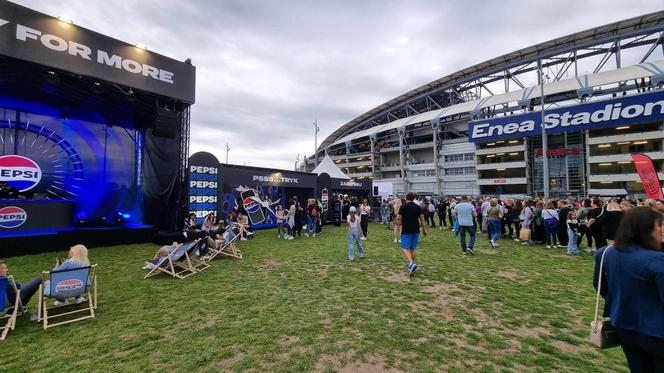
[
  {"x": 65, "y": 284},
  {"x": 226, "y": 246},
  {"x": 8, "y": 310},
  {"x": 177, "y": 264}
]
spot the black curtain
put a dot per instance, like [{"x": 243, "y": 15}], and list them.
[{"x": 161, "y": 176}]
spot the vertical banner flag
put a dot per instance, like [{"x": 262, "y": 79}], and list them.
[{"x": 648, "y": 175}]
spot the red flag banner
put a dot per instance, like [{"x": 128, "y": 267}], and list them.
[{"x": 648, "y": 175}]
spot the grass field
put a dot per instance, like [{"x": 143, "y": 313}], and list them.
[{"x": 300, "y": 305}]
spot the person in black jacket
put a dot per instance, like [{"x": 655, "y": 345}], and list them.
[
  {"x": 594, "y": 222},
  {"x": 563, "y": 210},
  {"x": 610, "y": 220}
]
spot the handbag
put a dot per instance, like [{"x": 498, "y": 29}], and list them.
[
  {"x": 602, "y": 333},
  {"x": 525, "y": 234}
]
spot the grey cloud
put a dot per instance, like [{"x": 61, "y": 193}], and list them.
[{"x": 267, "y": 69}]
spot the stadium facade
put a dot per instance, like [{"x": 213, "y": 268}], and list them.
[{"x": 477, "y": 131}]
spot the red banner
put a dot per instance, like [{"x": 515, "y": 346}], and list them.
[{"x": 648, "y": 175}]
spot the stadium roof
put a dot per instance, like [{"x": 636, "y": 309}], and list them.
[
  {"x": 625, "y": 28},
  {"x": 643, "y": 70}
]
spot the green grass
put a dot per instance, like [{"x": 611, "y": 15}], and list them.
[{"x": 300, "y": 305}]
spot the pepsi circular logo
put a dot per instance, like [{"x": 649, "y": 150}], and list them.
[
  {"x": 19, "y": 172},
  {"x": 12, "y": 217}
]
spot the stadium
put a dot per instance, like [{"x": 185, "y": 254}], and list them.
[{"x": 460, "y": 134}]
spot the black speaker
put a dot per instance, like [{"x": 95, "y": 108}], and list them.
[
  {"x": 166, "y": 123},
  {"x": 375, "y": 190}
]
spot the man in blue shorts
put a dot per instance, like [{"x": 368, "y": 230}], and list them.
[
  {"x": 411, "y": 219},
  {"x": 465, "y": 212}
]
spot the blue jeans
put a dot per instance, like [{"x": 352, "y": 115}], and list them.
[
  {"x": 311, "y": 224},
  {"x": 26, "y": 291},
  {"x": 471, "y": 231},
  {"x": 354, "y": 237},
  {"x": 494, "y": 229},
  {"x": 572, "y": 247}
]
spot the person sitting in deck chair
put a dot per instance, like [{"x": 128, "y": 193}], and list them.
[
  {"x": 76, "y": 258},
  {"x": 26, "y": 291},
  {"x": 162, "y": 252}
]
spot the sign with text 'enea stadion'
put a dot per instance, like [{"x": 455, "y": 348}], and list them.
[{"x": 646, "y": 107}]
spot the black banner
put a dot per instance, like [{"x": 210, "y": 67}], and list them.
[
  {"x": 35, "y": 215},
  {"x": 36, "y": 37},
  {"x": 203, "y": 185},
  {"x": 231, "y": 174}
]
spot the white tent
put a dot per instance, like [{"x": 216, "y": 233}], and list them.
[{"x": 328, "y": 166}]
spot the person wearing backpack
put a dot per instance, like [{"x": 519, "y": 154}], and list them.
[{"x": 312, "y": 217}]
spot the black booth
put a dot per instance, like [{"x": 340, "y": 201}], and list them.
[
  {"x": 95, "y": 135},
  {"x": 256, "y": 191},
  {"x": 341, "y": 194}
]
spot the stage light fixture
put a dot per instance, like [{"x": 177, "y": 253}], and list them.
[
  {"x": 141, "y": 46},
  {"x": 65, "y": 19}
]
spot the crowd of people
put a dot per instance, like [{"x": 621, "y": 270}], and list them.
[{"x": 555, "y": 223}]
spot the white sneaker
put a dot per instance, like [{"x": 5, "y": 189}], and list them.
[
  {"x": 290, "y": 237},
  {"x": 548, "y": 246},
  {"x": 395, "y": 240},
  {"x": 243, "y": 239},
  {"x": 314, "y": 235},
  {"x": 516, "y": 240},
  {"x": 58, "y": 303},
  {"x": 148, "y": 266},
  {"x": 80, "y": 300}
]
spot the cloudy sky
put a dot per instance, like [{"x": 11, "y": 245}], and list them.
[{"x": 267, "y": 69}]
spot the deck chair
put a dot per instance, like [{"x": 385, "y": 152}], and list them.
[
  {"x": 9, "y": 311},
  {"x": 177, "y": 264},
  {"x": 226, "y": 247},
  {"x": 198, "y": 263},
  {"x": 64, "y": 284}
]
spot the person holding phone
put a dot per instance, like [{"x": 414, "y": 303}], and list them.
[{"x": 76, "y": 258}]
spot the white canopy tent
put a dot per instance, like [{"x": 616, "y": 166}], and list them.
[{"x": 328, "y": 166}]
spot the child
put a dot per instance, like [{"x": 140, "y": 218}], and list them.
[
  {"x": 354, "y": 234},
  {"x": 280, "y": 222},
  {"x": 572, "y": 233}
]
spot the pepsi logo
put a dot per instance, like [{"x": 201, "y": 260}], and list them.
[
  {"x": 250, "y": 205},
  {"x": 69, "y": 287},
  {"x": 19, "y": 172},
  {"x": 12, "y": 217}
]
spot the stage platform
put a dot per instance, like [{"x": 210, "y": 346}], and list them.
[{"x": 40, "y": 241}]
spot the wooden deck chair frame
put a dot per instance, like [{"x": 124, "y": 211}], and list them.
[
  {"x": 201, "y": 263},
  {"x": 171, "y": 266},
  {"x": 88, "y": 307},
  {"x": 191, "y": 264},
  {"x": 16, "y": 309},
  {"x": 229, "y": 248}
]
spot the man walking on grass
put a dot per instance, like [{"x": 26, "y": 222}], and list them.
[
  {"x": 411, "y": 219},
  {"x": 465, "y": 212}
]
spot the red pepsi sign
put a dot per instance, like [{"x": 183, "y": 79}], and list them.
[
  {"x": 12, "y": 217},
  {"x": 69, "y": 287},
  {"x": 19, "y": 172}
]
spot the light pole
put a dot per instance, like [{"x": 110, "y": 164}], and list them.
[
  {"x": 227, "y": 150},
  {"x": 545, "y": 147},
  {"x": 316, "y": 129}
]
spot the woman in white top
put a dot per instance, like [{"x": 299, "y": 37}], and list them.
[
  {"x": 365, "y": 210},
  {"x": 354, "y": 234}
]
